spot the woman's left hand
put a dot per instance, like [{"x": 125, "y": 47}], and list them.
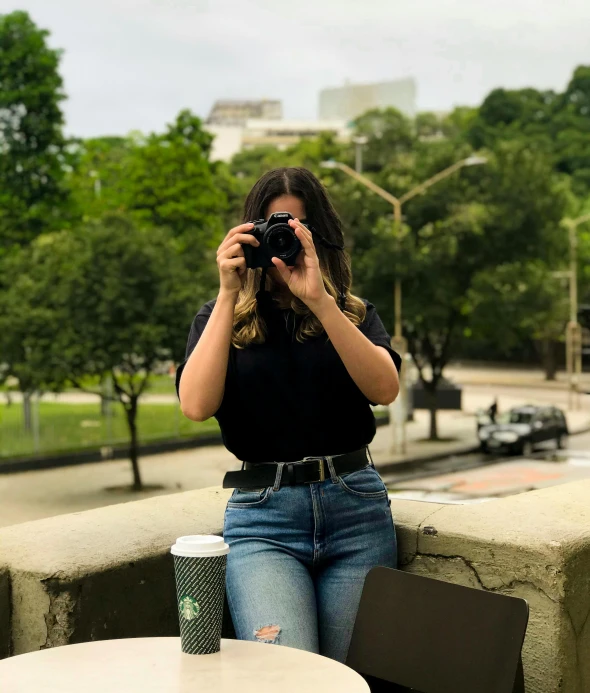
[{"x": 305, "y": 278}]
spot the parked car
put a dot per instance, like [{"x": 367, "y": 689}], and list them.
[{"x": 522, "y": 429}]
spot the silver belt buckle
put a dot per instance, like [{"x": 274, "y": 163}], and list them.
[{"x": 321, "y": 468}]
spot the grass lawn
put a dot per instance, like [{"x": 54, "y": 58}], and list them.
[
  {"x": 69, "y": 427},
  {"x": 158, "y": 384},
  {"x": 65, "y": 427}
]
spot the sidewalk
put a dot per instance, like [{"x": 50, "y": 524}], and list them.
[{"x": 512, "y": 377}]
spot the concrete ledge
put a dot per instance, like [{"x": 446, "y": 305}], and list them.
[
  {"x": 535, "y": 546},
  {"x": 107, "y": 573},
  {"x": 103, "y": 573},
  {"x": 4, "y": 613}
]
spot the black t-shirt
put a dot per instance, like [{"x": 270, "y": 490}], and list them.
[{"x": 285, "y": 400}]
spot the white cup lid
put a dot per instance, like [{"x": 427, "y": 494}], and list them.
[{"x": 200, "y": 545}]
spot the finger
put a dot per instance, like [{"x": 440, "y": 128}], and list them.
[
  {"x": 306, "y": 242},
  {"x": 238, "y": 238},
  {"x": 236, "y": 264},
  {"x": 235, "y": 250},
  {"x": 284, "y": 271},
  {"x": 306, "y": 232},
  {"x": 230, "y": 241},
  {"x": 240, "y": 229}
]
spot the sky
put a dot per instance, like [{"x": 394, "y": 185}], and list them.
[{"x": 134, "y": 64}]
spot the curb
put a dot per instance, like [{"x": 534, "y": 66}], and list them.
[{"x": 31, "y": 464}]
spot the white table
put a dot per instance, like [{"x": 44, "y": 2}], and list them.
[{"x": 149, "y": 665}]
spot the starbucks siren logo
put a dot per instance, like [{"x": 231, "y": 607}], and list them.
[{"x": 189, "y": 608}]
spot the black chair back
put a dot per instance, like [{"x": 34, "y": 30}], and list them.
[{"x": 417, "y": 633}]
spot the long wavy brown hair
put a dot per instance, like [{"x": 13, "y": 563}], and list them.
[{"x": 249, "y": 324}]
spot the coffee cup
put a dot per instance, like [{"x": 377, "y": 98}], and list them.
[{"x": 199, "y": 565}]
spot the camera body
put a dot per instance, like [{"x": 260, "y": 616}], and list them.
[{"x": 276, "y": 238}]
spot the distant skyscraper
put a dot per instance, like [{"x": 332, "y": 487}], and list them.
[
  {"x": 236, "y": 113},
  {"x": 350, "y": 101}
]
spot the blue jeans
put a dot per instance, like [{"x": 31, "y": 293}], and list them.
[{"x": 299, "y": 556}]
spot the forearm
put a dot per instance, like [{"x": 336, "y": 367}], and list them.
[
  {"x": 370, "y": 366},
  {"x": 203, "y": 380}
]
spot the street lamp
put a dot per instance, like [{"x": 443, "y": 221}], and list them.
[
  {"x": 398, "y": 342},
  {"x": 97, "y": 183},
  {"x": 574, "y": 330},
  {"x": 360, "y": 141},
  {"x": 397, "y": 207}
]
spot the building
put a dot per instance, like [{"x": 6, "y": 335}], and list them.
[
  {"x": 235, "y": 113},
  {"x": 229, "y": 140},
  {"x": 285, "y": 133},
  {"x": 350, "y": 101}
]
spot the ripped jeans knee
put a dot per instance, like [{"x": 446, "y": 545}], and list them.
[{"x": 268, "y": 634}]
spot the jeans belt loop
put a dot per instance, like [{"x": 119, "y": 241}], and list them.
[
  {"x": 279, "y": 476},
  {"x": 333, "y": 475}
]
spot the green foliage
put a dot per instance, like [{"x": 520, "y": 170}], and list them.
[
  {"x": 464, "y": 226},
  {"x": 557, "y": 124},
  {"x": 571, "y": 131},
  {"x": 514, "y": 301},
  {"x": 389, "y": 134},
  {"x": 170, "y": 182},
  {"x": 32, "y": 197},
  {"x": 110, "y": 298},
  {"x": 163, "y": 180},
  {"x": 514, "y": 114},
  {"x": 98, "y": 179}
]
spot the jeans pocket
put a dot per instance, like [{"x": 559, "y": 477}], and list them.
[
  {"x": 248, "y": 497},
  {"x": 365, "y": 483}
]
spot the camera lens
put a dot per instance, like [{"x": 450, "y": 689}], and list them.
[{"x": 282, "y": 240}]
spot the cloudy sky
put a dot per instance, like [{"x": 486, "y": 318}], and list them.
[{"x": 133, "y": 64}]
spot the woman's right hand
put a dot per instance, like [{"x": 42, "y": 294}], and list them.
[{"x": 231, "y": 260}]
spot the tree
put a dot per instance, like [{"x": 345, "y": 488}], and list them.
[
  {"x": 466, "y": 225},
  {"x": 98, "y": 179},
  {"x": 429, "y": 126},
  {"x": 110, "y": 298},
  {"x": 22, "y": 324},
  {"x": 389, "y": 134},
  {"x": 171, "y": 183},
  {"x": 515, "y": 301},
  {"x": 557, "y": 124},
  {"x": 32, "y": 194},
  {"x": 571, "y": 131},
  {"x": 457, "y": 123}
]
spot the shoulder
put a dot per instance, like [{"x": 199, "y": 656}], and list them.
[
  {"x": 371, "y": 311},
  {"x": 206, "y": 309},
  {"x": 368, "y": 305},
  {"x": 202, "y": 316}
]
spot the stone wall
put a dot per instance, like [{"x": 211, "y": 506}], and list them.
[
  {"x": 108, "y": 573},
  {"x": 4, "y": 613},
  {"x": 535, "y": 546}
]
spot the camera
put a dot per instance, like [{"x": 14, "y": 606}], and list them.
[{"x": 277, "y": 239}]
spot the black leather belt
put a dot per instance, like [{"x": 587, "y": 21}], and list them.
[{"x": 308, "y": 471}]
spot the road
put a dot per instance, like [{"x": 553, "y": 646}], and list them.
[{"x": 479, "y": 478}]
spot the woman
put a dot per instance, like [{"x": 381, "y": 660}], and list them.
[{"x": 290, "y": 372}]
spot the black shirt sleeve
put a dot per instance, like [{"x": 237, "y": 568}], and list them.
[
  {"x": 197, "y": 328},
  {"x": 374, "y": 330}
]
